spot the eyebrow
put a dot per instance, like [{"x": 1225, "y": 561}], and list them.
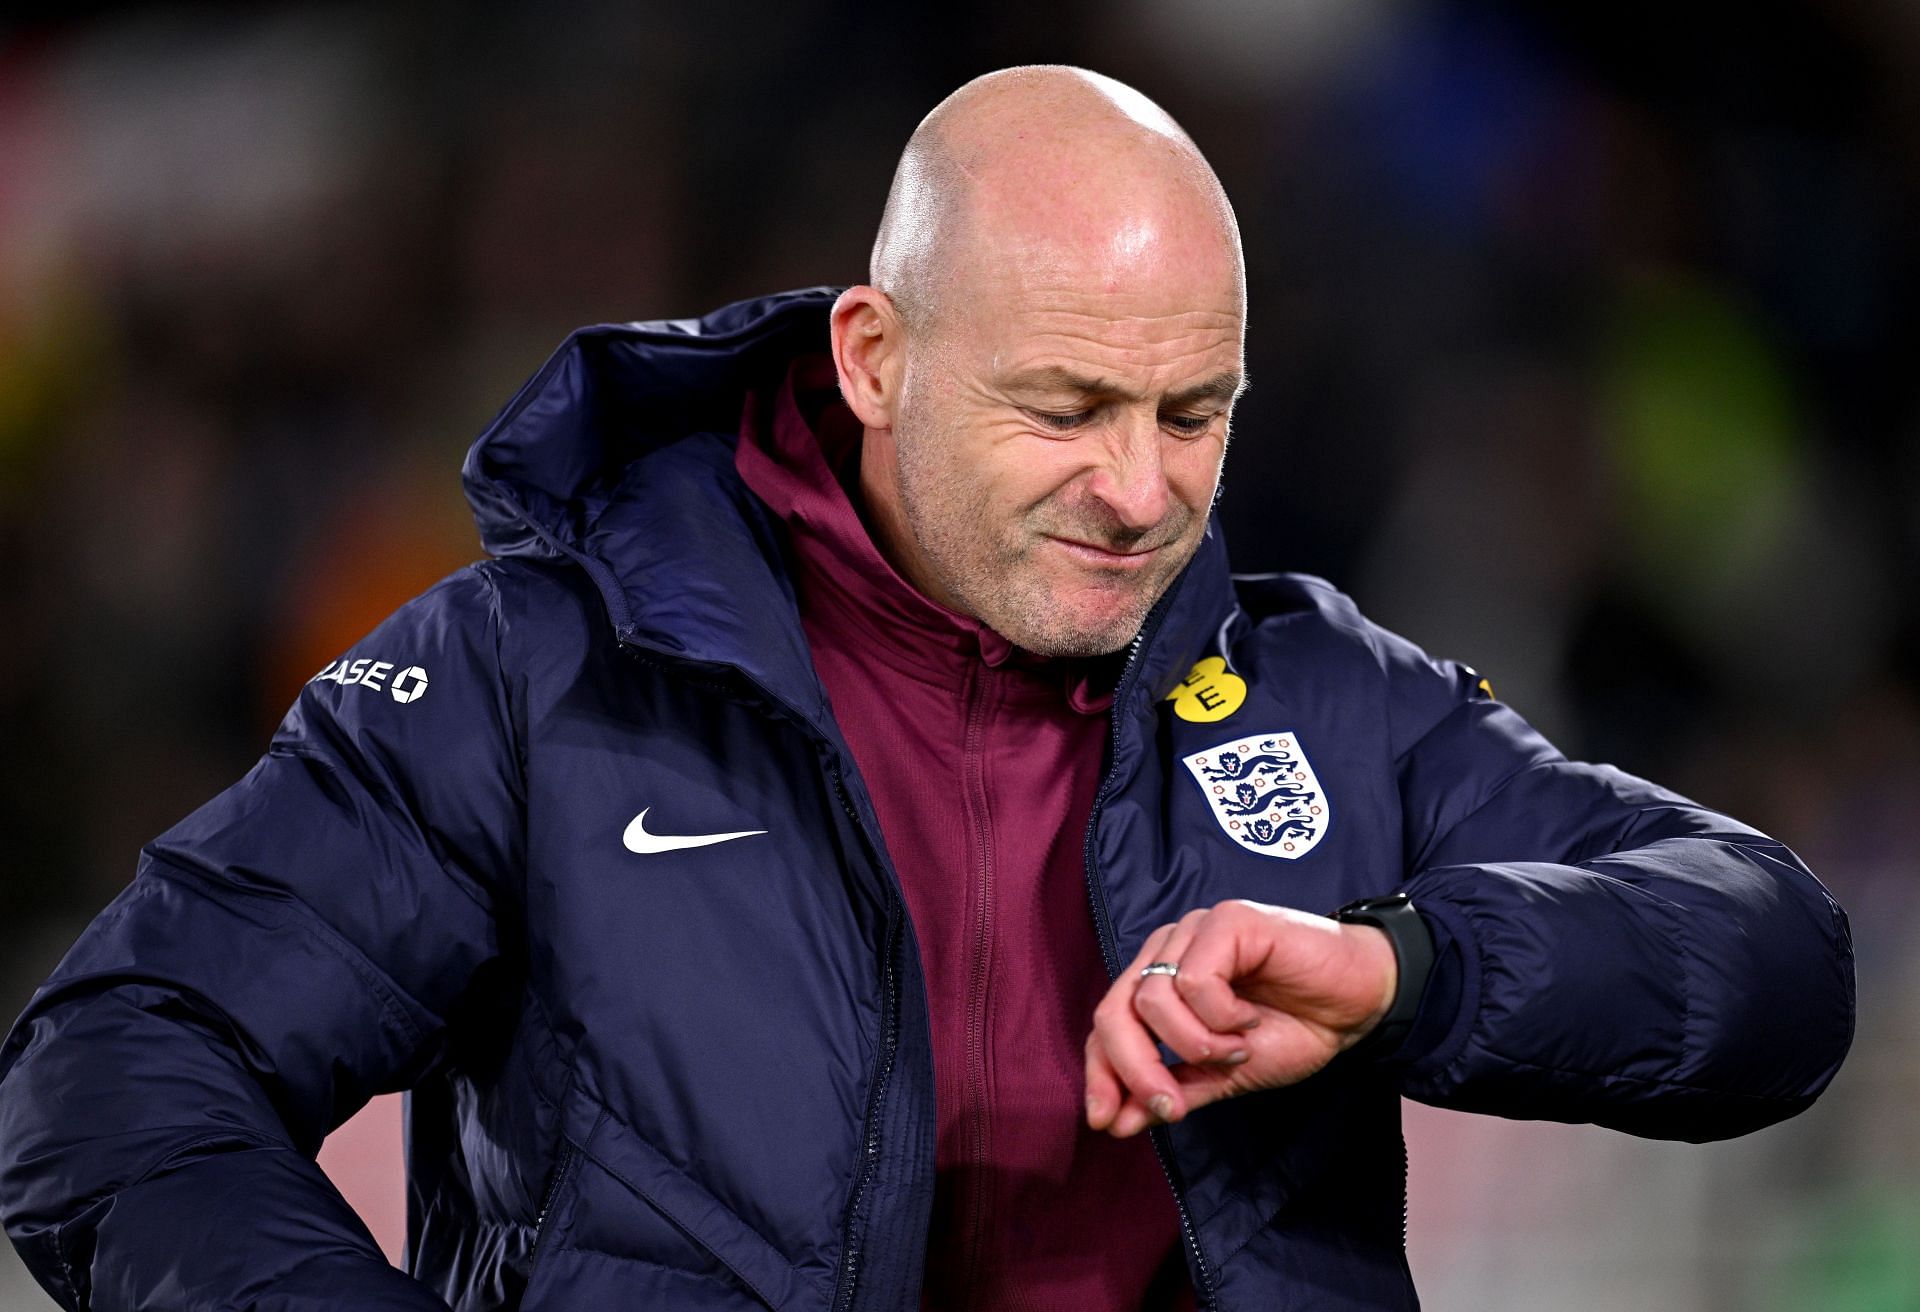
[{"x": 1054, "y": 378}]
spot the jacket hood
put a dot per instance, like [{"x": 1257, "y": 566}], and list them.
[
  {"x": 618, "y": 456},
  {"x": 615, "y": 393}
]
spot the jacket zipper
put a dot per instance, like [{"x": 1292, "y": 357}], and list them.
[
  {"x": 1103, "y": 926},
  {"x": 561, "y": 1170},
  {"x": 1403, "y": 1194},
  {"x": 731, "y": 683},
  {"x": 876, "y": 1090}
]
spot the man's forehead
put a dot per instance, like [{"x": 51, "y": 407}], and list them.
[
  {"x": 1220, "y": 385},
  {"x": 1124, "y": 260},
  {"x": 1101, "y": 342}
]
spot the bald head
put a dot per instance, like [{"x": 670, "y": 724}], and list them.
[
  {"x": 1052, "y": 173},
  {"x": 1045, "y": 362}
]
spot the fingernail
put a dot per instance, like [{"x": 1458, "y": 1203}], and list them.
[
  {"x": 1235, "y": 1057},
  {"x": 1250, "y": 1024},
  {"x": 1093, "y": 1107},
  {"x": 1160, "y": 1105},
  {"x": 1205, "y": 1053}
]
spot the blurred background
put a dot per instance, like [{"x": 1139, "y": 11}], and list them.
[{"x": 1583, "y": 350}]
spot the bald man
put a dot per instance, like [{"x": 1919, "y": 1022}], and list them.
[{"x": 854, "y": 845}]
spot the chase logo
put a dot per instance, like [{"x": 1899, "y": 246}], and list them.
[{"x": 409, "y": 685}]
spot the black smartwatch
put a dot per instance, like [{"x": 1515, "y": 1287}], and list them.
[{"x": 1412, "y": 949}]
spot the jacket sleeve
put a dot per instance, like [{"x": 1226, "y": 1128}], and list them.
[
  {"x": 1606, "y": 950},
  {"x": 292, "y": 948}
]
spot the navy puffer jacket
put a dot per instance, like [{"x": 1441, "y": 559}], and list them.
[{"x": 701, "y": 1078}]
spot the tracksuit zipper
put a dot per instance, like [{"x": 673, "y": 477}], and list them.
[
  {"x": 1103, "y": 927},
  {"x": 736, "y": 685},
  {"x": 975, "y": 699}
]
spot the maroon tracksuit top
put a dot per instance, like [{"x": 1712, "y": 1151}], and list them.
[{"x": 982, "y": 760}]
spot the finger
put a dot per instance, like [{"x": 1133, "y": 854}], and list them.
[
  {"x": 1254, "y": 949},
  {"x": 1157, "y": 1004},
  {"x": 1124, "y": 1049},
  {"x": 1133, "y": 1118},
  {"x": 1205, "y": 983},
  {"x": 1200, "y": 1085},
  {"x": 1291, "y": 961},
  {"x": 1285, "y": 1051},
  {"x": 1105, "y": 1094},
  {"x": 1154, "y": 949},
  {"x": 1160, "y": 1005},
  {"x": 1130, "y": 1050},
  {"x": 1104, "y": 1091},
  {"x": 1160, "y": 1001},
  {"x": 1127, "y": 1113}
]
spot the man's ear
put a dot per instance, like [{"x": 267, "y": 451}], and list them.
[{"x": 869, "y": 354}]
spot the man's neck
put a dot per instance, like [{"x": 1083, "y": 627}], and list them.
[{"x": 883, "y": 510}]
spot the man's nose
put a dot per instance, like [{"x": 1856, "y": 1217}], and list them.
[{"x": 1132, "y": 477}]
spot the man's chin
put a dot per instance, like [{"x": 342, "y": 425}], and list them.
[
  {"x": 1073, "y": 646},
  {"x": 1075, "y": 632}
]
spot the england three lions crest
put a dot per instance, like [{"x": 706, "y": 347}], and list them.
[{"x": 1264, "y": 793}]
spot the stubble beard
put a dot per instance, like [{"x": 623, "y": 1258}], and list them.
[{"x": 995, "y": 576}]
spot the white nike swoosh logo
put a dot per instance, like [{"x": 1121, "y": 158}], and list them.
[{"x": 639, "y": 840}]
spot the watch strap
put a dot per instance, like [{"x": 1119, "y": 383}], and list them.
[{"x": 1412, "y": 943}]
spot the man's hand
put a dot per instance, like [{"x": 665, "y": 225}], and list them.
[{"x": 1265, "y": 996}]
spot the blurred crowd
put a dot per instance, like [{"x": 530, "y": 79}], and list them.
[{"x": 1581, "y": 344}]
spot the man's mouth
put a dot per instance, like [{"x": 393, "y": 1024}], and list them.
[{"x": 1106, "y": 557}]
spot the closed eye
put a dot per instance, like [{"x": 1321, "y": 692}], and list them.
[
  {"x": 1188, "y": 425},
  {"x": 1067, "y": 422},
  {"x": 1061, "y": 423}
]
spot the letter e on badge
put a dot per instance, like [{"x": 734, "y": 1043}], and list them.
[{"x": 1209, "y": 692}]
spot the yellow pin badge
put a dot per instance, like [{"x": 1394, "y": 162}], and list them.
[{"x": 1209, "y": 692}]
